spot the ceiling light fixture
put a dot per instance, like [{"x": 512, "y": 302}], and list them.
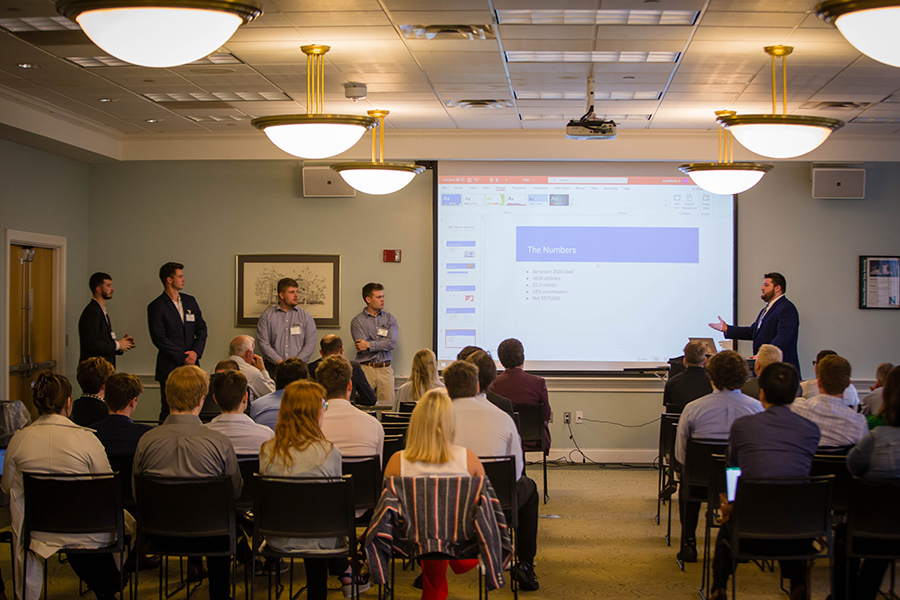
[
  {"x": 869, "y": 25},
  {"x": 784, "y": 135},
  {"x": 378, "y": 177},
  {"x": 159, "y": 33},
  {"x": 725, "y": 177},
  {"x": 314, "y": 134}
]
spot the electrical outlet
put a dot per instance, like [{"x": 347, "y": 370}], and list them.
[
  {"x": 567, "y": 417},
  {"x": 579, "y": 417}
]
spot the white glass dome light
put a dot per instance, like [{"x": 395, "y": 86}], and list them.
[
  {"x": 314, "y": 134},
  {"x": 725, "y": 179},
  {"x": 164, "y": 33},
  {"x": 869, "y": 25},
  {"x": 377, "y": 177}
]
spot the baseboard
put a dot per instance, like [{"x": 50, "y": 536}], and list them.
[{"x": 603, "y": 455}]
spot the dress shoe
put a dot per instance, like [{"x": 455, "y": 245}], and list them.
[
  {"x": 525, "y": 577},
  {"x": 718, "y": 594},
  {"x": 798, "y": 592},
  {"x": 666, "y": 493},
  {"x": 417, "y": 582},
  {"x": 197, "y": 574},
  {"x": 688, "y": 552}
]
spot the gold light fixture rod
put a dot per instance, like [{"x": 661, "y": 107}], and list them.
[
  {"x": 782, "y": 52},
  {"x": 726, "y": 136},
  {"x": 380, "y": 115},
  {"x": 315, "y": 77}
]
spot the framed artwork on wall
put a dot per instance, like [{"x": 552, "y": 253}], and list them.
[
  {"x": 318, "y": 276},
  {"x": 879, "y": 282}
]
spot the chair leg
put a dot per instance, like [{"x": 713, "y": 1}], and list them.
[
  {"x": 546, "y": 494},
  {"x": 45, "y": 579},
  {"x": 669, "y": 525}
]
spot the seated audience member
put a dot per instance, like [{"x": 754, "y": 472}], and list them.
[
  {"x": 299, "y": 449},
  {"x": 891, "y": 383},
  {"x": 840, "y": 425},
  {"x": 182, "y": 447},
  {"x": 422, "y": 378},
  {"x": 91, "y": 375},
  {"x": 767, "y": 355},
  {"x": 265, "y": 410},
  {"x": 210, "y": 409},
  {"x": 354, "y": 432},
  {"x": 229, "y": 389},
  {"x": 876, "y": 456},
  {"x": 871, "y": 403},
  {"x": 117, "y": 432},
  {"x": 521, "y": 387},
  {"x": 53, "y": 444},
  {"x": 810, "y": 387},
  {"x": 487, "y": 373},
  {"x": 690, "y": 384},
  {"x": 363, "y": 394},
  {"x": 467, "y": 352},
  {"x": 431, "y": 452},
  {"x": 487, "y": 431},
  {"x": 251, "y": 366},
  {"x": 774, "y": 443},
  {"x": 710, "y": 417}
]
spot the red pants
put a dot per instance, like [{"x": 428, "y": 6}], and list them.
[{"x": 434, "y": 576}]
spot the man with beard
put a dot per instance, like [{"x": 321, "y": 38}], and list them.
[
  {"x": 778, "y": 322},
  {"x": 286, "y": 330},
  {"x": 95, "y": 332}
]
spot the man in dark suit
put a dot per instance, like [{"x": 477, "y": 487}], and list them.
[
  {"x": 177, "y": 329},
  {"x": 778, "y": 322},
  {"x": 95, "y": 334},
  {"x": 521, "y": 387},
  {"x": 362, "y": 393},
  {"x": 92, "y": 375},
  {"x": 690, "y": 384},
  {"x": 487, "y": 373},
  {"x": 117, "y": 432}
]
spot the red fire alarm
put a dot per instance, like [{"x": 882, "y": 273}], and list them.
[{"x": 391, "y": 256}]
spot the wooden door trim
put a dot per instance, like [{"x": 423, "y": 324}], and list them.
[{"x": 58, "y": 245}]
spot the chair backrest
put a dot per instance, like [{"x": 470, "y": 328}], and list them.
[
  {"x": 249, "y": 466},
  {"x": 392, "y": 444},
  {"x": 395, "y": 428},
  {"x": 675, "y": 409},
  {"x": 873, "y": 529},
  {"x": 303, "y": 507},
  {"x": 407, "y": 407},
  {"x": 834, "y": 450},
  {"x": 699, "y": 463},
  {"x": 834, "y": 464},
  {"x": 123, "y": 464},
  {"x": 185, "y": 507},
  {"x": 396, "y": 417},
  {"x": 74, "y": 504},
  {"x": 668, "y": 427},
  {"x": 367, "y": 480},
  {"x": 781, "y": 509},
  {"x": 531, "y": 422},
  {"x": 501, "y": 471}
]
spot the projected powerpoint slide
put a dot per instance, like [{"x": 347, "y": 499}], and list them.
[{"x": 586, "y": 271}]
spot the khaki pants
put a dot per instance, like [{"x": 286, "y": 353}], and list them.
[{"x": 382, "y": 381}]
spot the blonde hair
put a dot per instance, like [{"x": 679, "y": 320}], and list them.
[
  {"x": 432, "y": 429},
  {"x": 186, "y": 387},
  {"x": 424, "y": 373},
  {"x": 298, "y": 421}
]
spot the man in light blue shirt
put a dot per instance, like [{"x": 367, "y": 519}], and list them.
[
  {"x": 265, "y": 410},
  {"x": 286, "y": 330},
  {"x": 374, "y": 332}
]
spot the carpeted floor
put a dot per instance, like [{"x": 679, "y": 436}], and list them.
[{"x": 597, "y": 539}]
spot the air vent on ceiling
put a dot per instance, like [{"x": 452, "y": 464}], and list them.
[
  {"x": 218, "y": 97},
  {"x": 569, "y": 117},
  {"x": 479, "y": 104},
  {"x": 845, "y": 105},
  {"x": 448, "y": 32}
]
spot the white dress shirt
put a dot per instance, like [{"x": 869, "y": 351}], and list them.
[
  {"x": 487, "y": 431},
  {"x": 245, "y": 435},
  {"x": 810, "y": 388},
  {"x": 258, "y": 382},
  {"x": 354, "y": 432}
]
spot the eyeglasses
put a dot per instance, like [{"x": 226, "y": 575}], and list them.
[{"x": 324, "y": 404}]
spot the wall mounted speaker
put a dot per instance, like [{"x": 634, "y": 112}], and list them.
[
  {"x": 322, "y": 182},
  {"x": 848, "y": 183}
]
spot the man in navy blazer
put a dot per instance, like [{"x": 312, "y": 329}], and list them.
[
  {"x": 95, "y": 333},
  {"x": 117, "y": 432},
  {"x": 177, "y": 329},
  {"x": 778, "y": 322}
]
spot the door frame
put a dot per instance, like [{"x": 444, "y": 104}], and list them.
[{"x": 58, "y": 245}]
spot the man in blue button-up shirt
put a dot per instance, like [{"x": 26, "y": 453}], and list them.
[
  {"x": 286, "y": 330},
  {"x": 374, "y": 332}
]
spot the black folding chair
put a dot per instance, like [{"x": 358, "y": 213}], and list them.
[
  {"x": 367, "y": 480},
  {"x": 836, "y": 465},
  {"x": 173, "y": 512},
  {"x": 717, "y": 485},
  {"x": 392, "y": 444},
  {"x": 395, "y": 428},
  {"x": 71, "y": 505},
  {"x": 873, "y": 530},
  {"x": 531, "y": 429},
  {"x": 407, "y": 407},
  {"x": 696, "y": 473},
  {"x": 307, "y": 508},
  {"x": 668, "y": 427},
  {"x": 501, "y": 471},
  {"x": 769, "y": 511},
  {"x": 249, "y": 466},
  {"x": 396, "y": 417},
  {"x": 123, "y": 464}
]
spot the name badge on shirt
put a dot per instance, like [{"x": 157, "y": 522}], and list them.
[
  {"x": 112, "y": 334},
  {"x": 382, "y": 332},
  {"x": 189, "y": 317},
  {"x": 295, "y": 330}
]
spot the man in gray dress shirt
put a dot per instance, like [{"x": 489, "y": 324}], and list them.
[
  {"x": 183, "y": 447},
  {"x": 286, "y": 330},
  {"x": 374, "y": 332}
]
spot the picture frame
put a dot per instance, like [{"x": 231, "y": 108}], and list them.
[
  {"x": 879, "y": 282},
  {"x": 257, "y": 276}
]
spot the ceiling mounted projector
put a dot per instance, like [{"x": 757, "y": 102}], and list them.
[{"x": 589, "y": 127}]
